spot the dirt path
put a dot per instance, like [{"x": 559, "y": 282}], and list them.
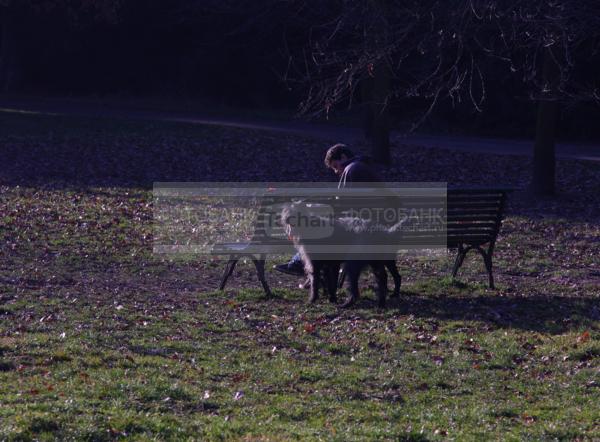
[{"x": 333, "y": 133}]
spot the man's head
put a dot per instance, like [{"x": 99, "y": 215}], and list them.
[{"x": 336, "y": 156}]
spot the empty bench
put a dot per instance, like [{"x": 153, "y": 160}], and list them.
[{"x": 474, "y": 218}]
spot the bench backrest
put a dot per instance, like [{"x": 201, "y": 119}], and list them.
[
  {"x": 268, "y": 228},
  {"x": 474, "y": 216}
]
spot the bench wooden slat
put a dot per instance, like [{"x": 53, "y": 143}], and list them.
[
  {"x": 414, "y": 235},
  {"x": 479, "y": 190},
  {"x": 452, "y": 199},
  {"x": 456, "y": 205},
  {"x": 467, "y": 234},
  {"x": 474, "y": 241},
  {"x": 495, "y": 205},
  {"x": 451, "y": 219},
  {"x": 229, "y": 248},
  {"x": 479, "y": 212},
  {"x": 452, "y": 195},
  {"x": 471, "y": 225}
]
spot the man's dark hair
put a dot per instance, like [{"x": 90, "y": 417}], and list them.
[{"x": 335, "y": 152}]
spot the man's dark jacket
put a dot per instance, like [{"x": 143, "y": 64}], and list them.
[{"x": 357, "y": 170}]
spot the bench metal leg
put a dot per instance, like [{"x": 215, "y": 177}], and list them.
[
  {"x": 460, "y": 257},
  {"x": 488, "y": 266},
  {"x": 228, "y": 271},
  {"x": 260, "y": 270},
  {"x": 487, "y": 260}
]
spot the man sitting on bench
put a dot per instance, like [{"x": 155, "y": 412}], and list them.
[{"x": 349, "y": 168}]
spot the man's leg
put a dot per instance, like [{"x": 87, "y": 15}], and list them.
[{"x": 295, "y": 266}]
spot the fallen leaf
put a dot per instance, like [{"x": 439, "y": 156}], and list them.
[
  {"x": 238, "y": 377},
  {"x": 309, "y": 328},
  {"x": 527, "y": 419},
  {"x": 585, "y": 336}
]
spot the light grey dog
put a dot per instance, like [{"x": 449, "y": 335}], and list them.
[{"x": 320, "y": 267}]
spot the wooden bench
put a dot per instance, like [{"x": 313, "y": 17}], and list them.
[
  {"x": 474, "y": 217},
  {"x": 266, "y": 237},
  {"x": 473, "y": 220}
]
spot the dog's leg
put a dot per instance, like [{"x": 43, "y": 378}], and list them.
[
  {"x": 341, "y": 278},
  {"x": 332, "y": 270},
  {"x": 381, "y": 277},
  {"x": 313, "y": 271},
  {"x": 391, "y": 266},
  {"x": 352, "y": 270}
]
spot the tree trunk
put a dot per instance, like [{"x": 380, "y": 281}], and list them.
[
  {"x": 376, "y": 128},
  {"x": 379, "y": 89},
  {"x": 380, "y": 141},
  {"x": 366, "y": 96},
  {"x": 544, "y": 161},
  {"x": 9, "y": 54},
  {"x": 544, "y": 158}
]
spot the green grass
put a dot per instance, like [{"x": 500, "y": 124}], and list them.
[
  {"x": 102, "y": 340},
  {"x": 214, "y": 366}
]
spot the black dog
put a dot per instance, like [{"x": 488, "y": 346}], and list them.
[
  {"x": 326, "y": 273},
  {"x": 320, "y": 267}
]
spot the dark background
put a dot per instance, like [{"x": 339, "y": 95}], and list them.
[{"x": 221, "y": 59}]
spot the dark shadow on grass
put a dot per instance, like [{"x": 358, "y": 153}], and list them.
[
  {"x": 543, "y": 313},
  {"x": 78, "y": 152},
  {"x": 61, "y": 153},
  {"x": 570, "y": 204},
  {"x": 65, "y": 152}
]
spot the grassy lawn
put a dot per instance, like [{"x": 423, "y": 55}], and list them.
[{"x": 102, "y": 340}]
